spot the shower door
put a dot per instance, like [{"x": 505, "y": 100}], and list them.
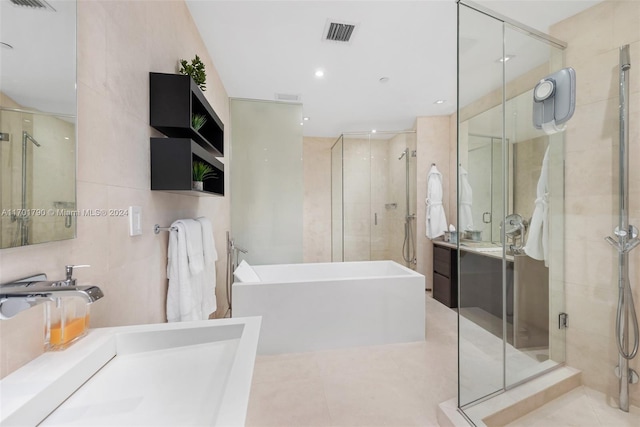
[
  {"x": 371, "y": 194},
  {"x": 509, "y": 302}
]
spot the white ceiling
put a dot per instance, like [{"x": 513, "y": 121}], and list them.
[{"x": 261, "y": 48}]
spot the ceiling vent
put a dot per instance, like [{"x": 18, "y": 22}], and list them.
[
  {"x": 34, "y": 4},
  {"x": 288, "y": 97},
  {"x": 338, "y": 31}
]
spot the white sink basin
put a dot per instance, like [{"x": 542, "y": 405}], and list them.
[{"x": 195, "y": 373}]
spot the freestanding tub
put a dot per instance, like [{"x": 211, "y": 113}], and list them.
[{"x": 309, "y": 307}]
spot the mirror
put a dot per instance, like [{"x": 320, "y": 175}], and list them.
[{"x": 37, "y": 121}]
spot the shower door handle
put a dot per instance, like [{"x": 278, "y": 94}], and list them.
[{"x": 375, "y": 218}]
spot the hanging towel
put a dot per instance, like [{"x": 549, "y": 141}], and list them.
[
  {"x": 184, "y": 294},
  {"x": 538, "y": 237},
  {"x": 436, "y": 221},
  {"x": 465, "y": 222},
  {"x": 209, "y": 303},
  {"x": 173, "y": 292},
  {"x": 195, "y": 251}
]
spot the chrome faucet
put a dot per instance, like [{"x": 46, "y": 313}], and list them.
[{"x": 25, "y": 293}]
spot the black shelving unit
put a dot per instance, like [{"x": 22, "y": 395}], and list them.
[
  {"x": 172, "y": 165},
  {"x": 174, "y": 98}
]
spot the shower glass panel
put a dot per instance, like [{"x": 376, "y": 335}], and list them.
[
  {"x": 357, "y": 187},
  {"x": 372, "y": 199},
  {"x": 337, "y": 244},
  {"x": 509, "y": 301},
  {"x": 480, "y": 314},
  {"x": 536, "y": 344}
]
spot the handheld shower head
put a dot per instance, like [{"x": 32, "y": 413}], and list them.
[{"x": 404, "y": 153}]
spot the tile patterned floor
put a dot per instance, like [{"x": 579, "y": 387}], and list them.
[
  {"x": 390, "y": 385},
  {"x": 394, "y": 385}
]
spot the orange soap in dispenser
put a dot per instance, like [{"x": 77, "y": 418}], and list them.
[{"x": 66, "y": 318}]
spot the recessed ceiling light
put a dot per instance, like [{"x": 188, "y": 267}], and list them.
[
  {"x": 301, "y": 123},
  {"x": 373, "y": 131},
  {"x": 319, "y": 73},
  {"x": 440, "y": 101},
  {"x": 66, "y": 137},
  {"x": 505, "y": 58},
  {"x": 383, "y": 79},
  {"x": 27, "y": 120},
  {"x": 305, "y": 118}
]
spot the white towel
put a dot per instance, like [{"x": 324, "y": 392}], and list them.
[
  {"x": 173, "y": 292},
  {"x": 195, "y": 251},
  {"x": 184, "y": 294},
  {"x": 538, "y": 237},
  {"x": 465, "y": 222},
  {"x": 209, "y": 303},
  {"x": 436, "y": 222}
]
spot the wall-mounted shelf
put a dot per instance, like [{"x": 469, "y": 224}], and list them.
[
  {"x": 172, "y": 165},
  {"x": 174, "y": 98}
]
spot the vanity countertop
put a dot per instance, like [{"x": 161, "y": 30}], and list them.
[{"x": 488, "y": 249}]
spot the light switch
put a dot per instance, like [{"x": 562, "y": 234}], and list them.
[{"x": 135, "y": 221}]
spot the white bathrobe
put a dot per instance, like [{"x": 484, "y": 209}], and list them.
[
  {"x": 436, "y": 221},
  {"x": 465, "y": 222},
  {"x": 538, "y": 237}
]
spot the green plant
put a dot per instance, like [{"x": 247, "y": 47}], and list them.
[
  {"x": 198, "y": 120},
  {"x": 195, "y": 70},
  {"x": 202, "y": 171}
]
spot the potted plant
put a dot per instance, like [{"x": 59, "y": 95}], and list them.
[
  {"x": 202, "y": 171},
  {"x": 198, "y": 120},
  {"x": 195, "y": 70}
]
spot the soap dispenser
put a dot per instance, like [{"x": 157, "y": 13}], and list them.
[{"x": 66, "y": 319}]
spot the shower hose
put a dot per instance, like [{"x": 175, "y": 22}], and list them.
[
  {"x": 625, "y": 293},
  {"x": 408, "y": 246}
]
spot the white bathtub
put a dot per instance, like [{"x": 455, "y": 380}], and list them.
[{"x": 309, "y": 307}]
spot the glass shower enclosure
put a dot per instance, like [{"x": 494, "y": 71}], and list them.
[
  {"x": 510, "y": 298},
  {"x": 373, "y": 197}
]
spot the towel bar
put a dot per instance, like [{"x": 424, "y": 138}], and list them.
[{"x": 157, "y": 229}]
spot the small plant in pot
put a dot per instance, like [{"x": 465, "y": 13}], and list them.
[
  {"x": 201, "y": 172},
  {"x": 195, "y": 70},
  {"x": 198, "y": 120}
]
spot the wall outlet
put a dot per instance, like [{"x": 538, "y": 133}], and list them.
[{"x": 135, "y": 221}]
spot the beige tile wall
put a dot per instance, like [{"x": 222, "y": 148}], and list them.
[
  {"x": 119, "y": 43},
  {"x": 593, "y": 38}
]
